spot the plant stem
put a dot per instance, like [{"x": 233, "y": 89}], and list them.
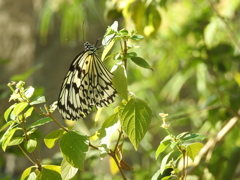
[
  {"x": 50, "y": 115},
  {"x": 228, "y": 29},
  {"x": 26, "y": 154},
  {"x": 113, "y": 155}
]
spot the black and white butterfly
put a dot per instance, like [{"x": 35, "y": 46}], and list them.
[{"x": 88, "y": 83}]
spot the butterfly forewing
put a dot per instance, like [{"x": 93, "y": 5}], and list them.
[{"x": 87, "y": 83}]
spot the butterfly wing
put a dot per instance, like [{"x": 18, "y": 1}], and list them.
[{"x": 87, "y": 83}]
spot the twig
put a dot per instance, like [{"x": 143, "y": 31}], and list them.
[
  {"x": 26, "y": 155},
  {"x": 228, "y": 29}
]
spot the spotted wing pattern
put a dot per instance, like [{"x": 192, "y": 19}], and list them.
[{"x": 88, "y": 83}]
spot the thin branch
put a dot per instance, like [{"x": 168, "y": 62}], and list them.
[
  {"x": 26, "y": 155},
  {"x": 228, "y": 29},
  {"x": 113, "y": 155}
]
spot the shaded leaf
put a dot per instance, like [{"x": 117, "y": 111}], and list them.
[
  {"x": 120, "y": 80},
  {"x": 141, "y": 62},
  {"x": 40, "y": 122},
  {"x": 74, "y": 146},
  {"x": 135, "y": 119}
]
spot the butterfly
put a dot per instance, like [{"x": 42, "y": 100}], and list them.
[{"x": 87, "y": 83}]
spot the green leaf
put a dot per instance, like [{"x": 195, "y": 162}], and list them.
[
  {"x": 8, "y": 111},
  {"x": 19, "y": 108},
  {"x": 163, "y": 145},
  {"x": 135, "y": 119},
  {"x": 164, "y": 162},
  {"x": 137, "y": 37},
  {"x": 52, "y": 137},
  {"x": 7, "y": 136},
  {"x": 193, "y": 150},
  {"x": 120, "y": 80},
  {"x": 40, "y": 122},
  {"x": 194, "y": 137},
  {"x": 107, "y": 49},
  {"x": 15, "y": 141},
  {"x": 67, "y": 171},
  {"x": 74, "y": 146},
  {"x": 141, "y": 62},
  {"x": 123, "y": 32},
  {"x": 156, "y": 175},
  {"x": 30, "y": 145},
  {"x": 29, "y": 92},
  {"x": 173, "y": 144},
  {"x": 183, "y": 134},
  {"x": 32, "y": 176},
  {"x": 31, "y": 131},
  {"x": 131, "y": 54},
  {"x": 26, "y": 173},
  {"x": 49, "y": 172},
  {"x": 6, "y": 125},
  {"x": 39, "y": 100},
  {"x": 109, "y": 127},
  {"x": 29, "y": 112}
]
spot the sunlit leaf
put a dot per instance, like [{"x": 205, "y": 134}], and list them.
[
  {"x": 26, "y": 173},
  {"x": 49, "y": 172},
  {"x": 29, "y": 92},
  {"x": 163, "y": 145},
  {"x": 8, "y": 111},
  {"x": 19, "y": 108},
  {"x": 194, "y": 149},
  {"x": 52, "y": 137},
  {"x": 164, "y": 162},
  {"x": 109, "y": 127},
  {"x": 7, "y": 136},
  {"x": 67, "y": 171},
  {"x": 30, "y": 145},
  {"x": 39, "y": 100},
  {"x": 29, "y": 112},
  {"x": 40, "y": 122},
  {"x": 6, "y": 125},
  {"x": 15, "y": 141}
]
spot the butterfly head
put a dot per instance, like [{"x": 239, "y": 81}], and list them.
[{"x": 89, "y": 47}]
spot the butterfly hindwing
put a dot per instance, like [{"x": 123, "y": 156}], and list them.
[{"x": 87, "y": 83}]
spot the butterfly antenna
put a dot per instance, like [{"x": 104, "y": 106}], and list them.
[{"x": 83, "y": 30}]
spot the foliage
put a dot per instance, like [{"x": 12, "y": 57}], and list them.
[
  {"x": 193, "y": 48},
  {"x": 131, "y": 117}
]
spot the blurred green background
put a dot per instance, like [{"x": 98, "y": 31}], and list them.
[{"x": 193, "y": 47}]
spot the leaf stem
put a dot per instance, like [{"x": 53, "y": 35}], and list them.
[{"x": 26, "y": 155}]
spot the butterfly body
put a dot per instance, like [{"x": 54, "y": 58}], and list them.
[{"x": 87, "y": 83}]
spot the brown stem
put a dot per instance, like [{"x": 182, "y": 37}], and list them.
[
  {"x": 118, "y": 140},
  {"x": 113, "y": 155},
  {"x": 50, "y": 115},
  {"x": 26, "y": 154}
]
